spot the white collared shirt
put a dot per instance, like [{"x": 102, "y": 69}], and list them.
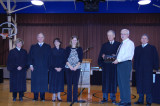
[
  {"x": 18, "y": 48},
  {"x": 111, "y": 42},
  {"x": 143, "y": 45},
  {"x": 126, "y": 51},
  {"x": 40, "y": 43}
]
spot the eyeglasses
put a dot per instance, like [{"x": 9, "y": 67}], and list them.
[{"x": 124, "y": 34}]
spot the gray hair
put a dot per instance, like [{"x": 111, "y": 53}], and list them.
[
  {"x": 126, "y": 30},
  {"x": 112, "y": 31},
  {"x": 145, "y": 36},
  {"x": 40, "y": 34},
  {"x": 18, "y": 40}
]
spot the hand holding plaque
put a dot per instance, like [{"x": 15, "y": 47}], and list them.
[{"x": 109, "y": 58}]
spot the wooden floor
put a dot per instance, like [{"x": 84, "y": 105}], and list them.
[{"x": 92, "y": 99}]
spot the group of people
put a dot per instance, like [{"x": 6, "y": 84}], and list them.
[
  {"x": 117, "y": 72},
  {"x": 42, "y": 58}
]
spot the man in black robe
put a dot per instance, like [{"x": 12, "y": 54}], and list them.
[
  {"x": 39, "y": 64},
  {"x": 145, "y": 60},
  {"x": 109, "y": 78}
]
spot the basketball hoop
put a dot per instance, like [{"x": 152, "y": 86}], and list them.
[
  {"x": 8, "y": 31},
  {"x": 4, "y": 35}
]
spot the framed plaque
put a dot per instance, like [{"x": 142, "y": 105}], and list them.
[{"x": 109, "y": 58}]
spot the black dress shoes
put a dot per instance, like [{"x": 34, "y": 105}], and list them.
[
  {"x": 21, "y": 99},
  {"x": 42, "y": 100},
  {"x": 53, "y": 100},
  {"x": 119, "y": 103},
  {"x": 35, "y": 99},
  {"x": 123, "y": 104},
  {"x": 113, "y": 101},
  {"x": 148, "y": 104},
  {"x": 104, "y": 100},
  {"x": 60, "y": 100},
  {"x": 14, "y": 99},
  {"x": 138, "y": 102}
]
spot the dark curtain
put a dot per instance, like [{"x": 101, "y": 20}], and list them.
[
  {"x": 4, "y": 49},
  {"x": 4, "y": 43},
  {"x": 91, "y": 29}
]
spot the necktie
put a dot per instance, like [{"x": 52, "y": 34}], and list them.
[
  {"x": 119, "y": 49},
  {"x": 40, "y": 45}
]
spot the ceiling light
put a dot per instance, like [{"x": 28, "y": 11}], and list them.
[
  {"x": 144, "y": 2},
  {"x": 37, "y": 2}
]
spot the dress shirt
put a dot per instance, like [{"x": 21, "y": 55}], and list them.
[
  {"x": 111, "y": 42},
  {"x": 40, "y": 44},
  {"x": 126, "y": 51},
  {"x": 143, "y": 45},
  {"x": 18, "y": 48}
]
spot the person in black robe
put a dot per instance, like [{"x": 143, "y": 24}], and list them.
[
  {"x": 56, "y": 67},
  {"x": 17, "y": 65},
  {"x": 145, "y": 61},
  {"x": 74, "y": 56},
  {"x": 109, "y": 75},
  {"x": 39, "y": 65}
]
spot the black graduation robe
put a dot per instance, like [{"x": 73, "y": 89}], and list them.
[
  {"x": 145, "y": 60},
  {"x": 56, "y": 79},
  {"x": 39, "y": 58},
  {"x": 17, "y": 78},
  {"x": 109, "y": 74}
]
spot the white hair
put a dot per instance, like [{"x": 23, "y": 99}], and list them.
[
  {"x": 126, "y": 30},
  {"x": 112, "y": 31}
]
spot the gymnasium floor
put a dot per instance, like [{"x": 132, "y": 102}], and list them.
[{"x": 92, "y": 99}]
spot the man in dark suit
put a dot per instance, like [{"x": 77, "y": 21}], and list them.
[
  {"x": 38, "y": 61},
  {"x": 145, "y": 60}
]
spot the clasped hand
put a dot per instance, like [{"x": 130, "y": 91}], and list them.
[
  {"x": 58, "y": 69},
  {"x": 19, "y": 68},
  {"x": 73, "y": 68}
]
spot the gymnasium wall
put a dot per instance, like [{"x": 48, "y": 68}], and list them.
[{"x": 91, "y": 29}]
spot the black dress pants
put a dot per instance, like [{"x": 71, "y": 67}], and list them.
[{"x": 72, "y": 77}]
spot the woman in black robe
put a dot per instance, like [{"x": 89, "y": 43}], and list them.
[
  {"x": 56, "y": 66},
  {"x": 146, "y": 59},
  {"x": 74, "y": 55},
  {"x": 17, "y": 65}
]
